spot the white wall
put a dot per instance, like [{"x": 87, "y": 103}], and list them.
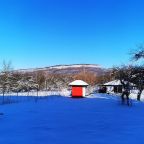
[{"x": 84, "y": 91}]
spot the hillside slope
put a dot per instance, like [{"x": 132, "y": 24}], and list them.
[{"x": 68, "y": 69}]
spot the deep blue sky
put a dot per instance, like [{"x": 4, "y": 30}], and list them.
[{"x": 37, "y": 33}]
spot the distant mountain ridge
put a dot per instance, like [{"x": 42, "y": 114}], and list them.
[{"x": 67, "y": 69}]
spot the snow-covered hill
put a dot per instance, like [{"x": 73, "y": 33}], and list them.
[{"x": 67, "y": 69}]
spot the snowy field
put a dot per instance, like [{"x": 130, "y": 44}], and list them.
[{"x": 99, "y": 119}]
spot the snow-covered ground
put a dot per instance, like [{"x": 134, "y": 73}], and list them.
[
  {"x": 67, "y": 93},
  {"x": 64, "y": 92},
  {"x": 99, "y": 119},
  {"x": 133, "y": 94}
]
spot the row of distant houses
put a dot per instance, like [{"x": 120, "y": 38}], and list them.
[
  {"x": 115, "y": 87},
  {"x": 79, "y": 88},
  {"x": 111, "y": 87}
]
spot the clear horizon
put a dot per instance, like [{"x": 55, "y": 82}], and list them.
[{"x": 42, "y": 33}]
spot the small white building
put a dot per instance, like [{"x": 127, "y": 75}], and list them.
[
  {"x": 114, "y": 86},
  {"x": 78, "y": 88}
]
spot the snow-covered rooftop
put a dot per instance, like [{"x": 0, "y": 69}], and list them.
[
  {"x": 78, "y": 83},
  {"x": 115, "y": 82}
]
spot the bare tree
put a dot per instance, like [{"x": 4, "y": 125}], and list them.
[
  {"x": 90, "y": 78},
  {"x": 138, "y": 79},
  {"x": 131, "y": 74},
  {"x": 124, "y": 74},
  {"x": 5, "y": 78},
  {"x": 58, "y": 81},
  {"x": 139, "y": 53},
  {"x": 40, "y": 79}
]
